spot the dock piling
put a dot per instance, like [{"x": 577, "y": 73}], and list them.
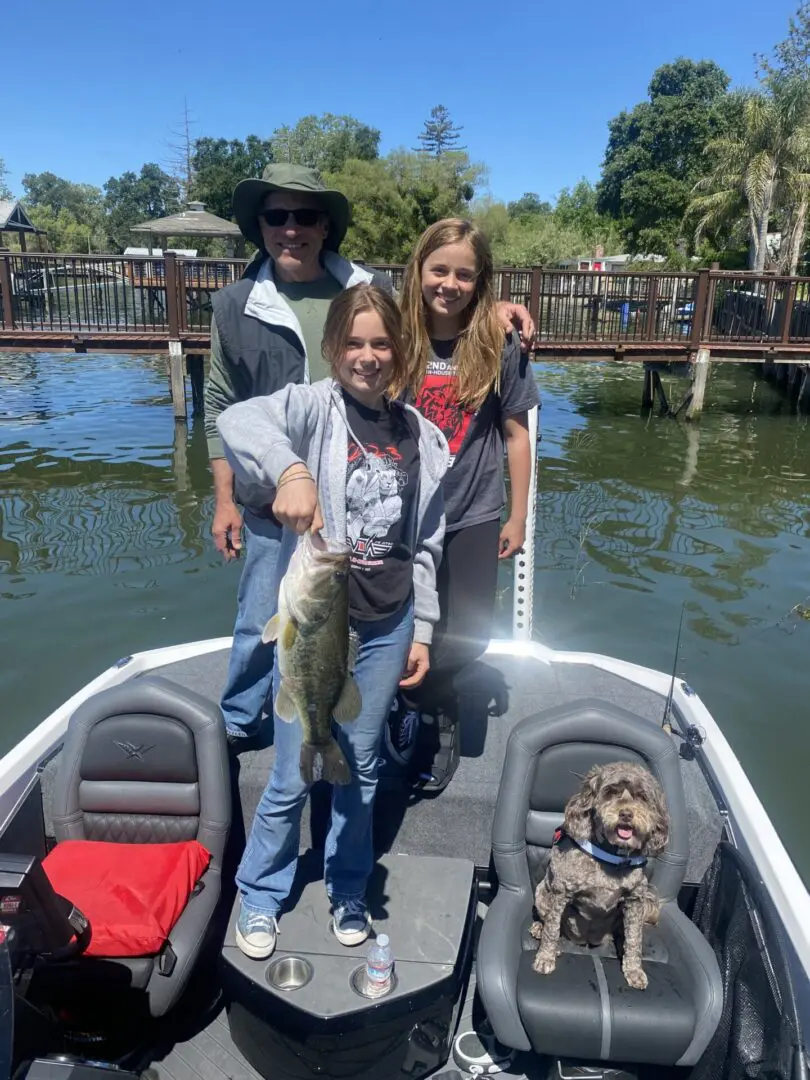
[
  {"x": 803, "y": 399},
  {"x": 647, "y": 392},
  {"x": 699, "y": 381},
  {"x": 177, "y": 381},
  {"x": 195, "y": 369}
]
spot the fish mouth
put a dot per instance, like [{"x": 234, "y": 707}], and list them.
[{"x": 325, "y": 548}]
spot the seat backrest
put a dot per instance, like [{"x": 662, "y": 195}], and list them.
[
  {"x": 546, "y": 757},
  {"x": 144, "y": 762}
]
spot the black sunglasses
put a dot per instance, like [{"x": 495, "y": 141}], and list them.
[{"x": 305, "y": 218}]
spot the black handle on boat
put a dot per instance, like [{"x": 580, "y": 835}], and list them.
[{"x": 82, "y": 933}]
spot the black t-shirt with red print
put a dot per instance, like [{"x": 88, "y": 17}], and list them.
[{"x": 474, "y": 490}]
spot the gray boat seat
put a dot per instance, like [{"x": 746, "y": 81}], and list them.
[
  {"x": 146, "y": 762},
  {"x": 584, "y": 1010}
]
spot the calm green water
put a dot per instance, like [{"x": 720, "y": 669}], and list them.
[{"x": 105, "y": 550}]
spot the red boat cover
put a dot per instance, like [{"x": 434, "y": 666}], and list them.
[{"x": 132, "y": 894}]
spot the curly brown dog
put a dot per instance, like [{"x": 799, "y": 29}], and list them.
[{"x": 614, "y": 822}]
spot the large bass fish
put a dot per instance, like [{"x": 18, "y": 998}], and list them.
[{"x": 316, "y": 654}]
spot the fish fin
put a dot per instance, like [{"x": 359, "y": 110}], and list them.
[
  {"x": 334, "y": 768},
  {"x": 354, "y": 648},
  {"x": 284, "y": 705},
  {"x": 349, "y": 703},
  {"x": 270, "y": 632}
]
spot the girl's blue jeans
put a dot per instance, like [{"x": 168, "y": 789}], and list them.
[{"x": 265, "y": 876}]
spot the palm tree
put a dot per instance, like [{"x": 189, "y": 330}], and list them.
[{"x": 760, "y": 171}]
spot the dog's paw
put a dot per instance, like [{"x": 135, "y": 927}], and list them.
[
  {"x": 543, "y": 964},
  {"x": 635, "y": 977},
  {"x": 536, "y": 930}
]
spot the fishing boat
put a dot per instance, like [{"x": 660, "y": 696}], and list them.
[{"x": 138, "y": 756}]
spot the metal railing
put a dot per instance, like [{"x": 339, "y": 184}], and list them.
[{"x": 63, "y": 299}]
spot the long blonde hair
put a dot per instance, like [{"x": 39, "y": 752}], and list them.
[{"x": 479, "y": 346}]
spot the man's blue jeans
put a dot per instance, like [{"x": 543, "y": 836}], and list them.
[
  {"x": 250, "y": 673},
  {"x": 266, "y": 874}
]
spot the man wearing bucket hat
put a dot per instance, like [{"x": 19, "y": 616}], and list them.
[{"x": 266, "y": 332}]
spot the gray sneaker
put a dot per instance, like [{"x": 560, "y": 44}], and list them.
[
  {"x": 351, "y": 922},
  {"x": 256, "y": 933}
]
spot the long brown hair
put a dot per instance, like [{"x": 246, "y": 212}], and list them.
[
  {"x": 337, "y": 330},
  {"x": 479, "y": 346}
]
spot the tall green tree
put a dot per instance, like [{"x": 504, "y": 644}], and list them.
[
  {"x": 791, "y": 56},
  {"x": 135, "y": 197},
  {"x": 789, "y": 64},
  {"x": 394, "y": 199},
  {"x": 45, "y": 189},
  {"x": 654, "y": 154},
  {"x": 440, "y": 134},
  {"x": 760, "y": 171},
  {"x": 217, "y": 166},
  {"x": 578, "y": 208},
  {"x": 5, "y": 190},
  {"x": 528, "y": 205},
  {"x": 325, "y": 142},
  {"x": 72, "y": 215}
]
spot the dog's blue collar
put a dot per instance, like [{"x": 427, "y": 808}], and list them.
[{"x": 600, "y": 853}]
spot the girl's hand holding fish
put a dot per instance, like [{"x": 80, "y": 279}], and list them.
[
  {"x": 417, "y": 666},
  {"x": 296, "y": 503}
]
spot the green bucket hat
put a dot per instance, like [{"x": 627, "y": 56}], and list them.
[{"x": 249, "y": 195}]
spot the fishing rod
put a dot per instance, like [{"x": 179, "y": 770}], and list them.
[
  {"x": 694, "y": 736},
  {"x": 665, "y": 722}
]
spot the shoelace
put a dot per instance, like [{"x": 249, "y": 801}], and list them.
[
  {"x": 405, "y": 727},
  {"x": 263, "y": 923},
  {"x": 350, "y": 909}
]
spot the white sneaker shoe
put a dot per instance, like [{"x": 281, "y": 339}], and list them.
[
  {"x": 256, "y": 933},
  {"x": 351, "y": 922}
]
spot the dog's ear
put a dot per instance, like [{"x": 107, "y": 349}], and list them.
[
  {"x": 659, "y": 836},
  {"x": 578, "y": 820}
]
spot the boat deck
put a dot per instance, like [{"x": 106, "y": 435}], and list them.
[{"x": 501, "y": 691}]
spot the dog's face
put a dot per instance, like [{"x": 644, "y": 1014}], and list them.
[{"x": 620, "y": 804}]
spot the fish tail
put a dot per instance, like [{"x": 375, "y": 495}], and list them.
[{"x": 334, "y": 766}]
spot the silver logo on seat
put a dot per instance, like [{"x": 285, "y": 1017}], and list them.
[{"x": 135, "y": 750}]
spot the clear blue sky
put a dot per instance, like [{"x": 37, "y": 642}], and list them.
[{"x": 92, "y": 88}]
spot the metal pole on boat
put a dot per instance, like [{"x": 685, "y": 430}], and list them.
[{"x": 523, "y": 588}]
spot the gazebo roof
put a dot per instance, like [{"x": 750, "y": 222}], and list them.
[
  {"x": 14, "y": 219},
  {"x": 193, "y": 221}
]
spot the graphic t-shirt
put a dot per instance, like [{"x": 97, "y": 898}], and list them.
[
  {"x": 310, "y": 301},
  {"x": 474, "y": 490},
  {"x": 382, "y": 477}
]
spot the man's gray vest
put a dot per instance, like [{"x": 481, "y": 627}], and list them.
[{"x": 261, "y": 358}]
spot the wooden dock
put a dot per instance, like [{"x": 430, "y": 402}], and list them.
[{"x": 136, "y": 304}]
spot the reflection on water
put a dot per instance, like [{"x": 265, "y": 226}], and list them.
[
  {"x": 104, "y": 541},
  {"x": 105, "y": 511}
]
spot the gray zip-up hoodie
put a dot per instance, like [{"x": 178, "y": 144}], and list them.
[{"x": 266, "y": 435}]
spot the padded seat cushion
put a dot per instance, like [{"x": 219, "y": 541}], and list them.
[
  {"x": 653, "y": 946},
  {"x": 584, "y": 1009},
  {"x": 132, "y": 894}
]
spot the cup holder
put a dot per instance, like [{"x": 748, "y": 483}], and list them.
[
  {"x": 289, "y": 973},
  {"x": 357, "y": 981}
]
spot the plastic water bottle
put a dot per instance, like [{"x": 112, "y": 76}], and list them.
[{"x": 379, "y": 967}]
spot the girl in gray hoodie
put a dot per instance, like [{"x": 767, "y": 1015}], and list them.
[{"x": 345, "y": 456}]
